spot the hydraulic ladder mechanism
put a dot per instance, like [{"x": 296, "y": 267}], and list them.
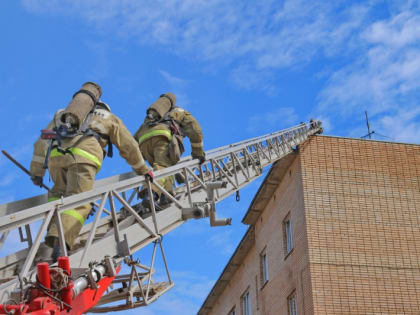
[{"x": 89, "y": 278}]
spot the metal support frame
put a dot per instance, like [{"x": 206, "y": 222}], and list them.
[{"x": 119, "y": 233}]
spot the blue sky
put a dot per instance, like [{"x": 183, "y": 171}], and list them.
[{"x": 243, "y": 68}]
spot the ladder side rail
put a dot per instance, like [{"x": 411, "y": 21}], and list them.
[
  {"x": 119, "y": 186},
  {"x": 187, "y": 159},
  {"x": 173, "y": 218},
  {"x": 254, "y": 139},
  {"x": 24, "y": 204},
  {"x": 162, "y": 175}
]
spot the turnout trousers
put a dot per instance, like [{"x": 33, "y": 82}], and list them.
[
  {"x": 70, "y": 178},
  {"x": 156, "y": 151}
]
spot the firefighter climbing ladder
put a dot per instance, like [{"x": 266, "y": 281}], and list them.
[{"x": 115, "y": 234}]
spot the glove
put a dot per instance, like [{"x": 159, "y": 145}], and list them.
[
  {"x": 36, "y": 180},
  {"x": 150, "y": 176},
  {"x": 201, "y": 156}
]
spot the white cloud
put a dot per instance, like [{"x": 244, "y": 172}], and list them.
[
  {"x": 279, "y": 118},
  {"x": 8, "y": 179},
  {"x": 376, "y": 55},
  {"x": 403, "y": 127},
  {"x": 268, "y": 34},
  {"x": 173, "y": 80},
  {"x": 383, "y": 77},
  {"x": 192, "y": 284},
  {"x": 177, "y": 86},
  {"x": 222, "y": 241},
  {"x": 389, "y": 69}
]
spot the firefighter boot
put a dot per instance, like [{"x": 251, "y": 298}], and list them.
[
  {"x": 146, "y": 202},
  {"x": 44, "y": 254},
  {"x": 164, "y": 201}
]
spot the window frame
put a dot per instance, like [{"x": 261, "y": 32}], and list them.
[
  {"x": 292, "y": 308},
  {"x": 246, "y": 297},
  {"x": 288, "y": 235},
  {"x": 232, "y": 311},
  {"x": 264, "y": 267}
]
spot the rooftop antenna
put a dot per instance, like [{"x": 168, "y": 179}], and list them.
[{"x": 370, "y": 133}]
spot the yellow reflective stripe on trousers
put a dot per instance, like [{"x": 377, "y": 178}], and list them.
[
  {"x": 153, "y": 133},
  {"x": 74, "y": 214},
  {"x": 80, "y": 152},
  {"x": 71, "y": 212}
]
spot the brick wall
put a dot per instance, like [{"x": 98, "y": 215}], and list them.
[
  {"x": 362, "y": 204},
  {"x": 355, "y": 212},
  {"x": 285, "y": 275}
]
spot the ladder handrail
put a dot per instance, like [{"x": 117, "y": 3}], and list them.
[
  {"x": 184, "y": 162},
  {"x": 226, "y": 170}
]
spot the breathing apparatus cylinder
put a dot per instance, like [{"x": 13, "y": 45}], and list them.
[
  {"x": 163, "y": 104},
  {"x": 81, "y": 105}
]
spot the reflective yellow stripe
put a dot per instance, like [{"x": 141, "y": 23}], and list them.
[
  {"x": 75, "y": 214},
  {"x": 153, "y": 133},
  {"x": 80, "y": 152},
  {"x": 71, "y": 212}
]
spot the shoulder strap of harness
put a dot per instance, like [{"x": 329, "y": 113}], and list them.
[
  {"x": 85, "y": 131},
  {"x": 172, "y": 123}
]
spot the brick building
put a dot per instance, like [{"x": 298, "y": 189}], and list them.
[{"x": 334, "y": 229}]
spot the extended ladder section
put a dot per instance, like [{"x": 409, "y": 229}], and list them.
[{"x": 118, "y": 229}]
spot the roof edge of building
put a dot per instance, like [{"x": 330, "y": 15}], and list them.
[
  {"x": 267, "y": 188},
  {"x": 372, "y": 140}
]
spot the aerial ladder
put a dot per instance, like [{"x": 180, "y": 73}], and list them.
[{"x": 100, "y": 274}]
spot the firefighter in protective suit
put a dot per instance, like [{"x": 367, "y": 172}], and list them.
[
  {"x": 75, "y": 156},
  {"x": 160, "y": 138}
]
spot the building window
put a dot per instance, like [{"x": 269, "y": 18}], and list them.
[
  {"x": 264, "y": 267},
  {"x": 246, "y": 303},
  {"x": 288, "y": 234},
  {"x": 291, "y": 302},
  {"x": 232, "y": 311}
]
